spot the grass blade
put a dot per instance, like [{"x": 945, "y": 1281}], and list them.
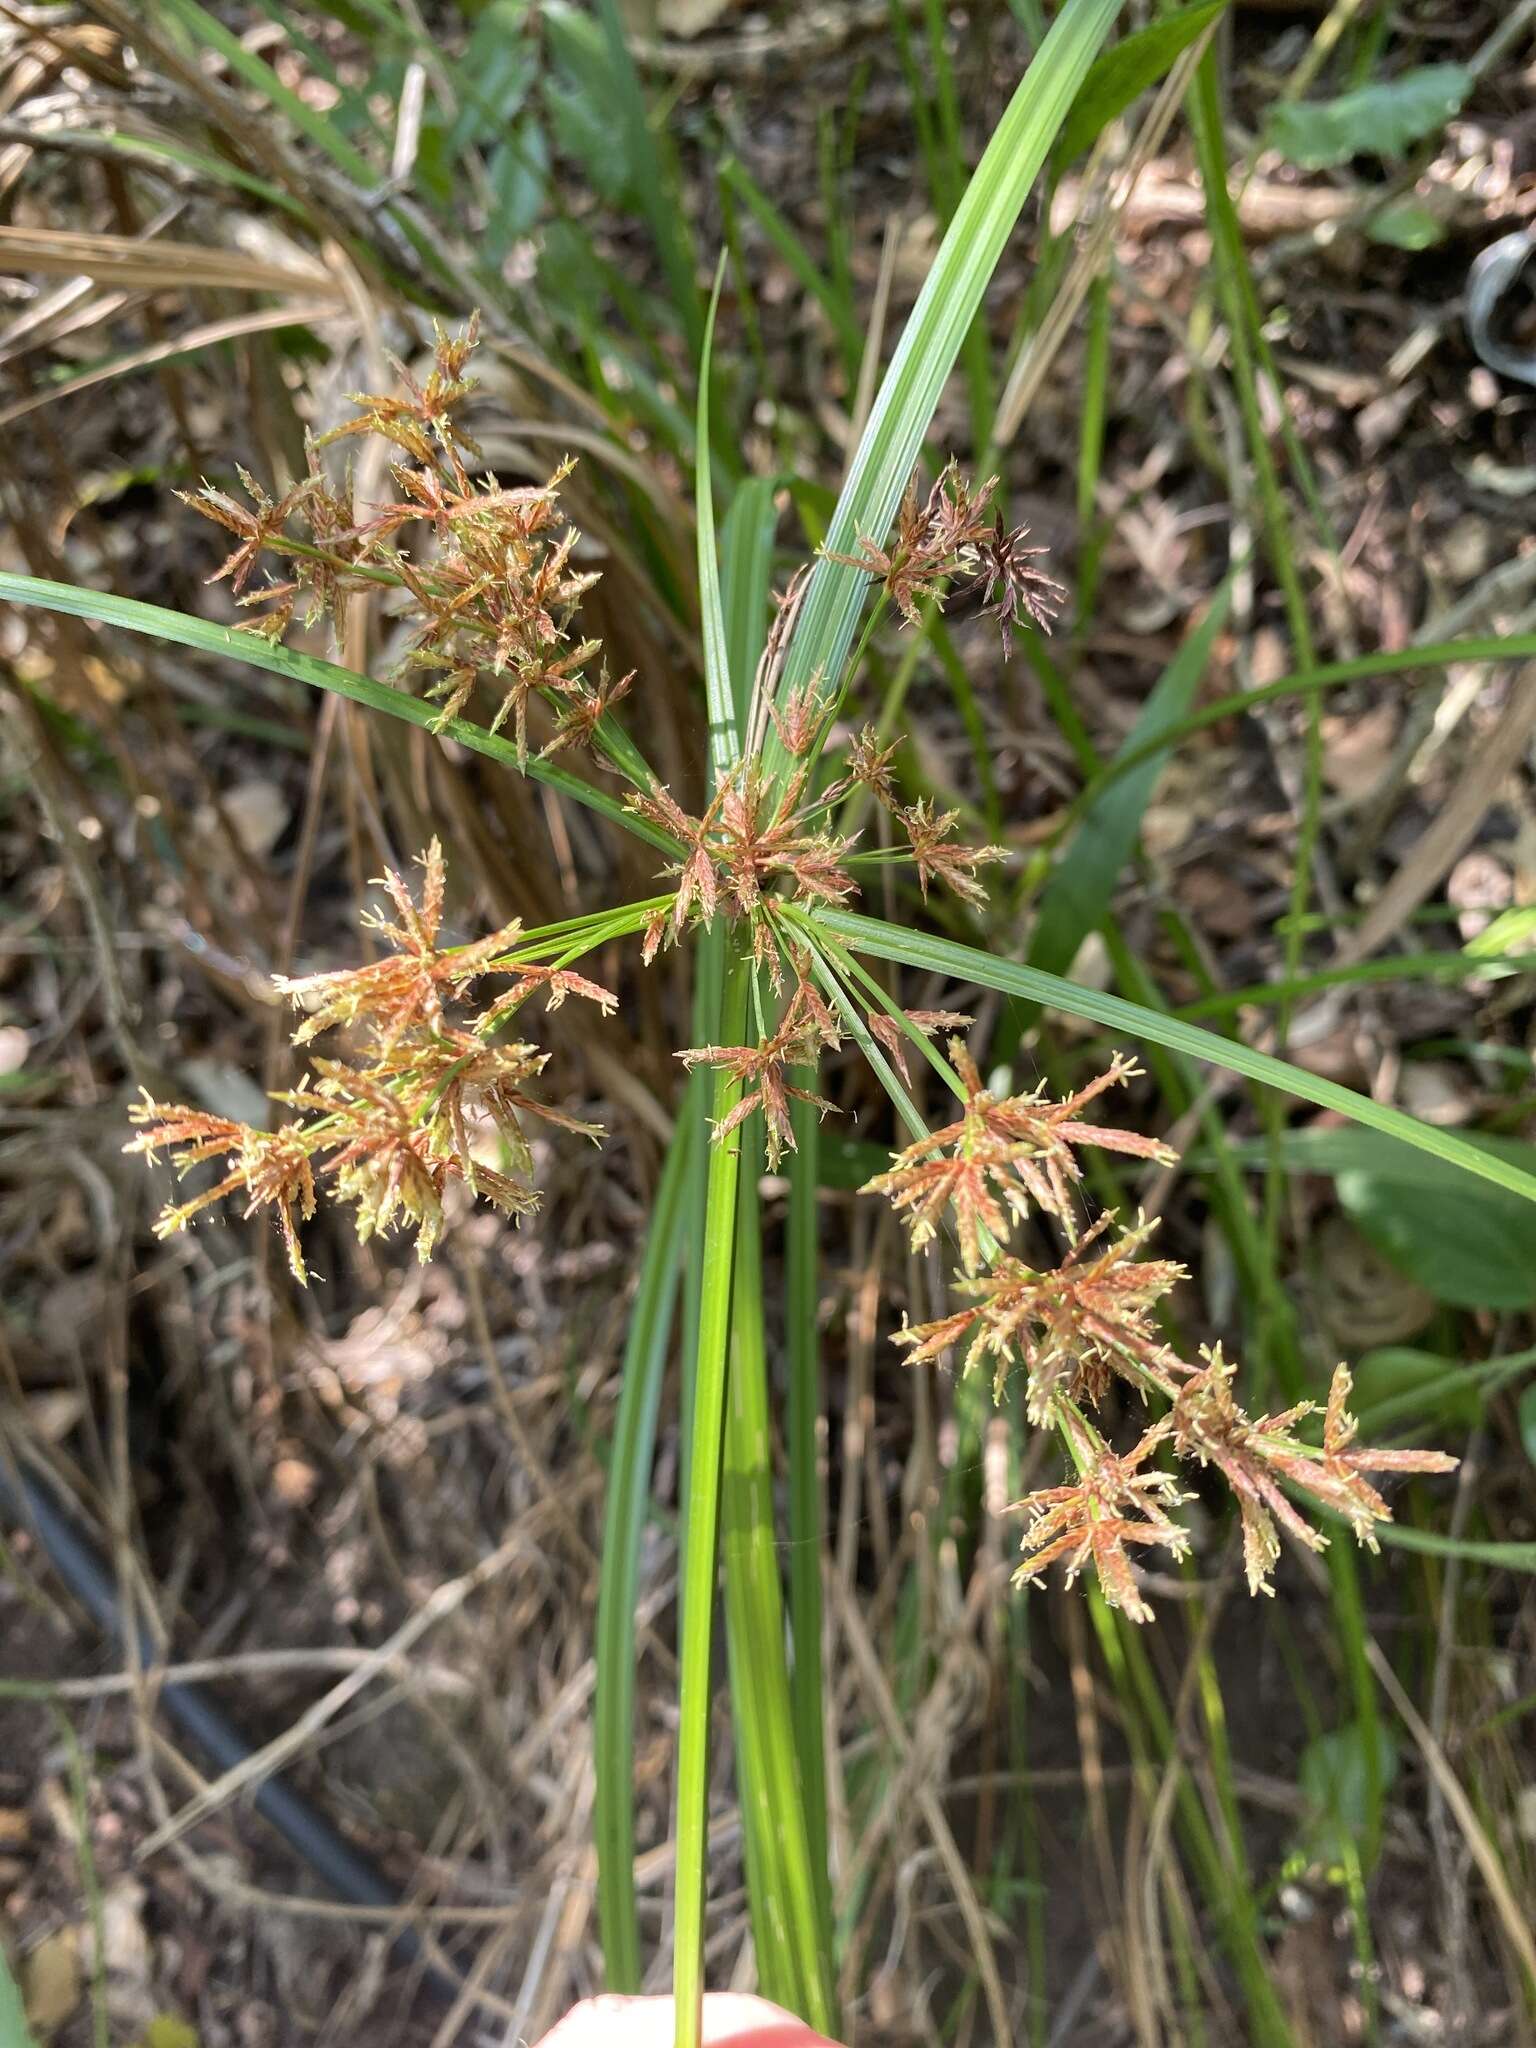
[
  {"x": 724, "y": 732},
  {"x": 1078, "y": 892},
  {"x": 629, "y": 1469},
  {"x": 742, "y": 186},
  {"x": 1136, "y": 61},
  {"x": 697, "y": 1579},
  {"x": 794, "y": 1960},
  {"x": 746, "y": 555},
  {"x": 910, "y": 391},
  {"x": 924, "y": 951},
  {"x": 204, "y": 637},
  {"x": 308, "y": 121},
  {"x": 659, "y": 185},
  {"x": 802, "y": 1428},
  {"x": 1326, "y": 675}
]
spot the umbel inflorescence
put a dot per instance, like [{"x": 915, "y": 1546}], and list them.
[
  {"x": 434, "y": 1091},
  {"x": 1087, "y": 1322},
  {"x": 428, "y": 1093}
]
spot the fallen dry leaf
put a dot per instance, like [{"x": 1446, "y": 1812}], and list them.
[{"x": 1357, "y": 748}]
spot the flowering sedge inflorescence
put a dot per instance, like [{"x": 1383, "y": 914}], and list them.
[
  {"x": 389, "y": 1130},
  {"x": 1079, "y": 1326},
  {"x": 495, "y": 595}
]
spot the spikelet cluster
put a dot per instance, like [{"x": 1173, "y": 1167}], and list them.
[
  {"x": 430, "y": 1090},
  {"x": 493, "y": 590},
  {"x": 488, "y": 580},
  {"x": 947, "y": 538},
  {"x": 494, "y": 595},
  {"x": 1077, "y": 1327}
]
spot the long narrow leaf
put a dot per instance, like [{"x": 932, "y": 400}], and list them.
[
  {"x": 1078, "y": 892},
  {"x": 181, "y": 630},
  {"x": 1327, "y": 675},
  {"x": 660, "y": 187},
  {"x": 724, "y": 732},
  {"x": 794, "y": 1961},
  {"x": 802, "y": 1430},
  {"x": 909, "y": 394},
  {"x": 629, "y": 1470},
  {"x": 923, "y": 951},
  {"x": 746, "y": 568},
  {"x": 697, "y": 1582}
]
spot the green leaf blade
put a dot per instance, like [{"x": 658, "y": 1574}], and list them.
[
  {"x": 157, "y": 622},
  {"x": 1383, "y": 119},
  {"x": 922, "y": 950},
  {"x": 1121, "y": 74},
  {"x": 930, "y": 344}
]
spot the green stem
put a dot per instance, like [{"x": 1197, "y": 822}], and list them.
[
  {"x": 790, "y": 1935},
  {"x": 629, "y": 1468},
  {"x": 698, "y": 1563},
  {"x": 806, "y": 1532}
]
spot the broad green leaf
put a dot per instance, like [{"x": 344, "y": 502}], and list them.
[
  {"x": 1406, "y": 224},
  {"x": 1378, "y": 120},
  {"x": 1512, "y": 931},
  {"x": 182, "y": 630},
  {"x": 1122, "y": 73},
  {"x": 924, "y": 951},
  {"x": 1473, "y": 1247},
  {"x": 577, "y": 119},
  {"x": 914, "y": 382},
  {"x": 492, "y": 79},
  {"x": 519, "y": 173}
]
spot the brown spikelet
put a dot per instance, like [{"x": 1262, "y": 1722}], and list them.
[{"x": 1112, "y": 1504}]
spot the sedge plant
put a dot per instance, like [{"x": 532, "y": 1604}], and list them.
[
  {"x": 436, "y": 1072},
  {"x": 439, "y": 1088}
]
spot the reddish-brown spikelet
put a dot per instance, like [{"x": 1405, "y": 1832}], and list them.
[
  {"x": 806, "y": 1028},
  {"x": 1254, "y": 1454},
  {"x": 888, "y": 1031},
  {"x": 1000, "y": 1157},
  {"x": 272, "y": 1167},
  {"x": 389, "y": 1134},
  {"x": 1111, "y": 1505},
  {"x": 405, "y": 987},
  {"x": 936, "y": 860},
  {"x": 1073, "y": 1327}
]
